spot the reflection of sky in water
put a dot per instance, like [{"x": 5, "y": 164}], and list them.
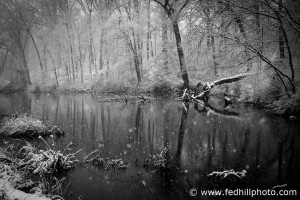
[{"x": 267, "y": 147}]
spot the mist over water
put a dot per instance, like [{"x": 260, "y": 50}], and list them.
[{"x": 199, "y": 142}]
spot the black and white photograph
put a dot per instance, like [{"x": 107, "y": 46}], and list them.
[{"x": 149, "y": 99}]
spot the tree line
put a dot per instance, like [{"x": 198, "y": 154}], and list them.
[{"x": 63, "y": 42}]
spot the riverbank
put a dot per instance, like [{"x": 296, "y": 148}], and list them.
[
  {"x": 32, "y": 172},
  {"x": 10, "y": 179},
  {"x": 161, "y": 89},
  {"x": 23, "y": 125},
  {"x": 15, "y": 184},
  {"x": 284, "y": 107}
]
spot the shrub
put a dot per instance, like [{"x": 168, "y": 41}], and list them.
[
  {"x": 109, "y": 87},
  {"x": 261, "y": 88},
  {"x": 287, "y": 106},
  {"x": 162, "y": 88}
]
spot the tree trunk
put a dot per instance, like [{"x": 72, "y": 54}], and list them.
[
  {"x": 242, "y": 29},
  {"x": 3, "y": 62},
  {"x": 241, "y": 26},
  {"x": 35, "y": 47},
  {"x": 70, "y": 52},
  {"x": 91, "y": 51},
  {"x": 59, "y": 58},
  {"x": 259, "y": 35},
  {"x": 214, "y": 56},
  {"x": 80, "y": 58},
  {"x": 53, "y": 63},
  {"x": 25, "y": 68},
  {"x": 136, "y": 44},
  {"x": 164, "y": 37},
  {"x": 155, "y": 43},
  {"x": 101, "y": 49},
  {"x": 45, "y": 58},
  {"x": 106, "y": 56},
  {"x": 211, "y": 43},
  {"x": 151, "y": 47},
  {"x": 258, "y": 27},
  {"x": 139, "y": 43},
  {"x": 173, "y": 15},
  {"x": 67, "y": 72},
  {"x": 72, "y": 60},
  {"x": 39, "y": 56},
  {"x": 290, "y": 55},
  {"x": 182, "y": 63},
  {"x": 281, "y": 37},
  {"x": 137, "y": 67},
  {"x": 148, "y": 30}
]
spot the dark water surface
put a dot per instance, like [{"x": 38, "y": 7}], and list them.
[{"x": 200, "y": 142}]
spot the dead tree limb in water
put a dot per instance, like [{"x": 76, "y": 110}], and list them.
[
  {"x": 201, "y": 99},
  {"x": 208, "y": 86}
]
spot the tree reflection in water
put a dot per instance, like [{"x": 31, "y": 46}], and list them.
[{"x": 201, "y": 139}]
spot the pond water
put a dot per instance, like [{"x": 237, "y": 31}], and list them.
[{"x": 199, "y": 141}]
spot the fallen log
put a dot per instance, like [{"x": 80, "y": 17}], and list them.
[
  {"x": 202, "y": 98},
  {"x": 186, "y": 96},
  {"x": 231, "y": 79}
]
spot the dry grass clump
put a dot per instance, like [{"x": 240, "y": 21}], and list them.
[
  {"x": 16, "y": 171},
  {"x": 46, "y": 161},
  {"x": 25, "y": 125},
  {"x": 156, "y": 161},
  {"x": 6, "y": 154},
  {"x": 105, "y": 163},
  {"x": 14, "y": 181}
]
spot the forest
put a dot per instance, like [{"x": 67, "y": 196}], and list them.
[
  {"x": 151, "y": 45},
  {"x": 149, "y": 99}
]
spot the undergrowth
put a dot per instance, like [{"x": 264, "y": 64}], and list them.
[{"x": 19, "y": 167}]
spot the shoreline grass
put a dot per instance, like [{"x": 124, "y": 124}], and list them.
[
  {"x": 46, "y": 161},
  {"x": 13, "y": 181},
  {"x": 26, "y": 126},
  {"x": 18, "y": 167}
]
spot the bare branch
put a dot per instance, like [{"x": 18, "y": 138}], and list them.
[
  {"x": 157, "y": 1},
  {"x": 231, "y": 79},
  {"x": 183, "y": 6},
  {"x": 11, "y": 51}
]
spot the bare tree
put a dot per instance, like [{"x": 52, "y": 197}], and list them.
[
  {"x": 88, "y": 7},
  {"x": 173, "y": 10}
]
